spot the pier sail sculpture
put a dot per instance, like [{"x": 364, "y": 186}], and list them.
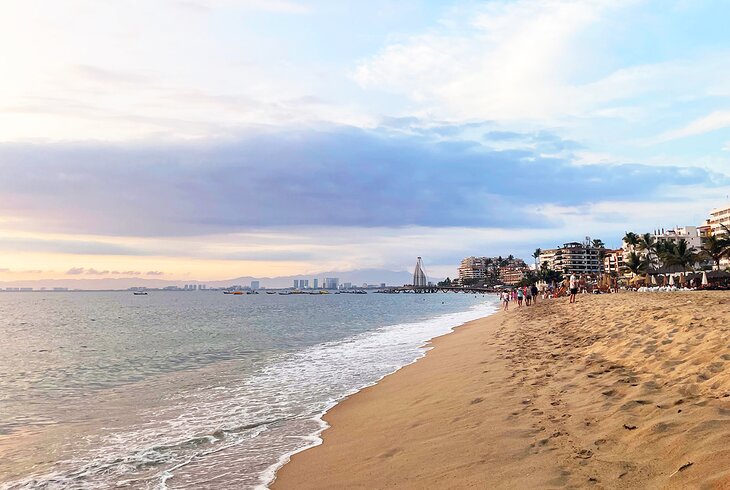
[{"x": 419, "y": 277}]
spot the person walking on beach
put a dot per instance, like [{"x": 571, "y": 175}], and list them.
[
  {"x": 534, "y": 291},
  {"x": 504, "y": 296},
  {"x": 528, "y": 295},
  {"x": 573, "y": 287},
  {"x": 519, "y": 297}
]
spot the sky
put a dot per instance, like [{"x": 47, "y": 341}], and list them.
[{"x": 210, "y": 139}]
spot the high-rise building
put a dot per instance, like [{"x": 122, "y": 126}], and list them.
[
  {"x": 315, "y": 282},
  {"x": 473, "y": 268},
  {"x": 419, "y": 276},
  {"x": 331, "y": 282},
  {"x": 573, "y": 258},
  {"x": 304, "y": 283},
  {"x": 255, "y": 285},
  {"x": 718, "y": 217},
  {"x": 296, "y": 283},
  {"x": 347, "y": 285},
  {"x": 613, "y": 261},
  {"x": 514, "y": 272}
]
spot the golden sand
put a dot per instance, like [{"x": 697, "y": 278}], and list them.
[{"x": 617, "y": 391}]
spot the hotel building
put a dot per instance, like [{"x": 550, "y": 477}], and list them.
[
  {"x": 473, "y": 268},
  {"x": 613, "y": 261},
  {"x": 513, "y": 274},
  {"x": 573, "y": 258}
]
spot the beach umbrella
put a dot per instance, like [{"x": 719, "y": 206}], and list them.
[
  {"x": 705, "y": 282},
  {"x": 653, "y": 280},
  {"x": 671, "y": 280}
]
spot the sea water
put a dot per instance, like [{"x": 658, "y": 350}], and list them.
[{"x": 192, "y": 389}]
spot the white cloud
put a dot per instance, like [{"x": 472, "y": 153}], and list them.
[
  {"x": 711, "y": 122},
  {"x": 515, "y": 61}
]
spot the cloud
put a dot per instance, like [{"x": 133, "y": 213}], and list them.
[
  {"x": 154, "y": 273},
  {"x": 131, "y": 273},
  {"x": 75, "y": 271},
  {"x": 95, "y": 272},
  {"x": 105, "y": 76},
  {"x": 64, "y": 246},
  {"x": 500, "y": 60},
  {"x": 339, "y": 177},
  {"x": 711, "y": 122}
]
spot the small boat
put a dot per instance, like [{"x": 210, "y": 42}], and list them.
[
  {"x": 227, "y": 292},
  {"x": 270, "y": 292},
  {"x": 237, "y": 292},
  {"x": 140, "y": 293}
]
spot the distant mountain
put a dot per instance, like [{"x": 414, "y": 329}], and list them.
[{"x": 356, "y": 277}]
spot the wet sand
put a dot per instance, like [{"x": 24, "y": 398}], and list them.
[{"x": 617, "y": 391}]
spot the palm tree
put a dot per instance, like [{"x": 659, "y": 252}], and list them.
[
  {"x": 648, "y": 244},
  {"x": 598, "y": 243},
  {"x": 679, "y": 254},
  {"x": 715, "y": 248},
  {"x": 636, "y": 264},
  {"x": 631, "y": 239},
  {"x": 536, "y": 256}
]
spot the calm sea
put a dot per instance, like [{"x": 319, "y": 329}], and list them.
[{"x": 191, "y": 389}]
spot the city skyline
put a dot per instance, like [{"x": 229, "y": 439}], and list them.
[{"x": 210, "y": 139}]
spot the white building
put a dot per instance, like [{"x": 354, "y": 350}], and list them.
[
  {"x": 687, "y": 233},
  {"x": 547, "y": 256},
  {"x": 331, "y": 282},
  {"x": 718, "y": 217},
  {"x": 573, "y": 258}
]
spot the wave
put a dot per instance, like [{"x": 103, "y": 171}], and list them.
[{"x": 246, "y": 427}]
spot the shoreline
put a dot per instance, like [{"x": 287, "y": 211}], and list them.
[
  {"x": 544, "y": 396},
  {"x": 270, "y": 475}
]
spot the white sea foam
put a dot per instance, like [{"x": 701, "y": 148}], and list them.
[{"x": 390, "y": 348}]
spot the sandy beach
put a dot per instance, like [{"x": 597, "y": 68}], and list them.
[{"x": 617, "y": 391}]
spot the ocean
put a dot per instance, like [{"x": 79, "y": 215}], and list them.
[{"x": 192, "y": 389}]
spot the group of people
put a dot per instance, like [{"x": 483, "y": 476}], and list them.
[{"x": 526, "y": 294}]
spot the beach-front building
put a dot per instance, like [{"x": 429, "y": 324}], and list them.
[
  {"x": 513, "y": 274},
  {"x": 690, "y": 234},
  {"x": 472, "y": 268},
  {"x": 613, "y": 262},
  {"x": 718, "y": 217},
  {"x": 573, "y": 258},
  {"x": 693, "y": 235},
  {"x": 547, "y": 256}
]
